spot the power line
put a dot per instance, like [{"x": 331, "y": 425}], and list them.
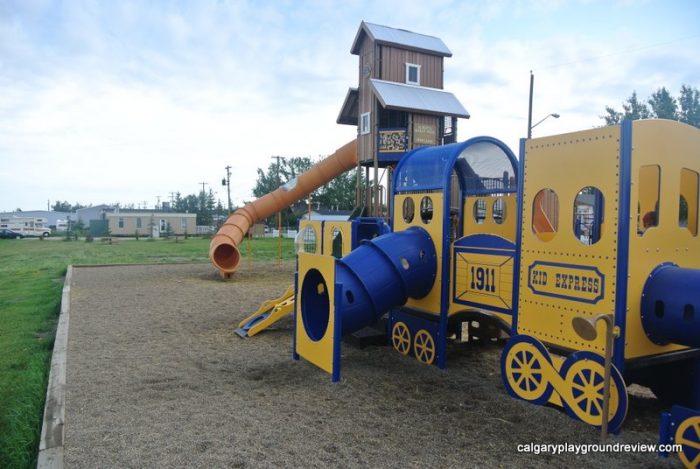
[{"x": 621, "y": 52}]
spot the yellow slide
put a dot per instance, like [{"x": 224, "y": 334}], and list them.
[{"x": 267, "y": 314}]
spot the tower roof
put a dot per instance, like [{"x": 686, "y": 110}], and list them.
[{"x": 399, "y": 37}]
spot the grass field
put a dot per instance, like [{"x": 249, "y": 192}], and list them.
[{"x": 31, "y": 274}]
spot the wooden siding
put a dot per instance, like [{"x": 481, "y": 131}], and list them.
[
  {"x": 389, "y": 63},
  {"x": 366, "y": 98},
  {"x": 393, "y": 66}
]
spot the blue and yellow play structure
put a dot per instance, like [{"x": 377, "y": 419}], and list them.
[{"x": 590, "y": 223}]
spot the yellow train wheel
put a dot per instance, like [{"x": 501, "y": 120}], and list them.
[
  {"x": 401, "y": 338},
  {"x": 424, "y": 347},
  {"x": 584, "y": 374},
  {"x": 688, "y": 436},
  {"x": 524, "y": 364}
]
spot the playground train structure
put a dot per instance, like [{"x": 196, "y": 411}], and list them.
[{"x": 597, "y": 224}]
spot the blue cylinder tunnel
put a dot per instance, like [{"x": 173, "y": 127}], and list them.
[
  {"x": 671, "y": 306},
  {"x": 380, "y": 274}
]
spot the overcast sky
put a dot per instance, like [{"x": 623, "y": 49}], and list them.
[{"x": 121, "y": 101}]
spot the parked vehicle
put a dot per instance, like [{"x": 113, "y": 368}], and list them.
[
  {"x": 10, "y": 234},
  {"x": 26, "y": 226}
]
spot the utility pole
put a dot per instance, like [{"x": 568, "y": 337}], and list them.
[
  {"x": 228, "y": 187},
  {"x": 203, "y": 184},
  {"x": 279, "y": 217},
  {"x": 529, "y": 109}
]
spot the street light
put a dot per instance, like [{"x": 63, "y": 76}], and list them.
[
  {"x": 585, "y": 328},
  {"x": 554, "y": 114}
]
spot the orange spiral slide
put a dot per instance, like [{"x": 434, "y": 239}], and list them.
[{"x": 223, "y": 250}]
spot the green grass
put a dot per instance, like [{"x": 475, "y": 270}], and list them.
[{"x": 31, "y": 280}]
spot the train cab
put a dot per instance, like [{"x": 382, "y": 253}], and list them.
[{"x": 464, "y": 196}]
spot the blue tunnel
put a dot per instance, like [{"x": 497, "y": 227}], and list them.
[
  {"x": 671, "y": 306},
  {"x": 379, "y": 275}
]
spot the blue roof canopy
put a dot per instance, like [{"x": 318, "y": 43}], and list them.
[{"x": 484, "y": 165}]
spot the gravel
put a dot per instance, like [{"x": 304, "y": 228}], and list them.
[{"x": 157, "y": 378}]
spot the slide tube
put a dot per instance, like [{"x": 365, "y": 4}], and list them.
[
  {"x": 379, "y": 275},
  {"x": 671, "y": 306},
  {"x": 223, "y": 250}
]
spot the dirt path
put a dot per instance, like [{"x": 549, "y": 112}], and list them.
[{"x": 156, "y": 378}]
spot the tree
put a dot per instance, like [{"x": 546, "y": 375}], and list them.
[
  {"x": 338, "y": 193},
  {"x": 632, "y": 109},
  {"x": 203, "y": 204},
  {"x": 689, "y": 102},
  {"x": 60, "y": 206},
  {"x": 661, "y": 105},
  {"x": 288, "y": 168}
]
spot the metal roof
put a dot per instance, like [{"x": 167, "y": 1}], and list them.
[
  {"x": 417, "y": 98},
  {"x": 348, "y": 113},
  {"x": 400, "y": 37}
]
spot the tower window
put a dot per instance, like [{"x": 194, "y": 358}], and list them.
[
  {"x": 364, "y": 123},
  {"x": 412, "y": 74}
]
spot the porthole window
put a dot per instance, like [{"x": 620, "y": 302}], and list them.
[
  {"x": 426, "y": 209},
  {"x": 588, "y": 215},
  {"x": 479, "y": 211},
  {"x": 499, "y": 210},
  {"x": 545, "y": 214},
  {"x": 409, "y": 210}
]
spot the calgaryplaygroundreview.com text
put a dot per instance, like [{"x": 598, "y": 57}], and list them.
[{"x": 585, "y": 448}]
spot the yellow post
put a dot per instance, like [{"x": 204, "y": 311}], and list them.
[{"x": 279, "y": 240}]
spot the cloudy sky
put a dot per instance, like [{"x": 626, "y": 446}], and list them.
[{"x": 124, "y": 101}]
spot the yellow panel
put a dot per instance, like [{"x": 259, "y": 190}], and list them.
[
  {"x": 672, "y": 146},
  {"x": 484, "y": 279},
  {"x": 431, "y": 302},
  {"x": 489, "y": 226},
  {"x": 557, "y": 276},
  {"x": 345, "y": 229},
  {"x": 320, "y": 352},
  {"x": 318, "y": 233}
]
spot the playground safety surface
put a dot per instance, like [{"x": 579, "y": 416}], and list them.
[{"x": 157, "y": 378}]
